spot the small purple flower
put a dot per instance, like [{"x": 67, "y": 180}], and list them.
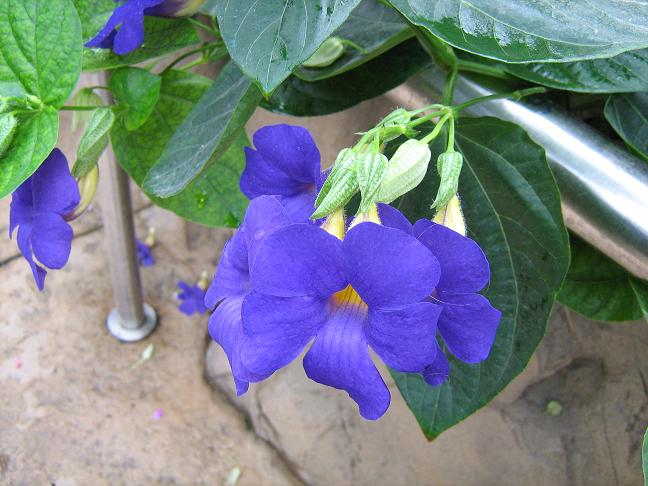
[
  {"x": 38, "y": 210},
  {"x": 366, "y": 290},
  {"x": 286, "y": 163},
  {"x": 144, "y": 254},
  {"x": 124, "y": 31},
  {"x": 192, "y": 299},
  {"x": 469, "y": 322}
]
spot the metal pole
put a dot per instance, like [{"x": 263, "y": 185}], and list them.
[
  {"x": 131, "y": 319},
  {"x": 604, "y": 188}
]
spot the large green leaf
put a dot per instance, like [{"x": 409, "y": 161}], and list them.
[
  {"x": 161, "y": 36},
  {"x": 303, "y": 98},
  {"x": 40, "y": 48},
  {"x": 628, "y": 115},
  {"x": 137, "y": 92},
  {"x": 532, "y": 30},
  {"x": 599, "y": 288},
  {"x": 626, "y": 72},
  {"x": 93, "y": 15},
  {"x": 269, "y": 39},
  {"x": 94, "y": 141},
  {"x": 374, "y": 27},
  {"x": 33, "y": 141},
  {"x": 512, "y": 209},
  {"x": 213, "y": 124},
  {"x": 214, "y": 198}
]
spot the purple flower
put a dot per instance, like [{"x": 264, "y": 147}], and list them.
[
  {"x": 231, "y": 283},
  {"x": 144, "y": 254},
  {"x": 124, "y": 31},
  {"x": 469, "y": 322},
  {"x": 286, "y": 163},
  {"x": 367, "y": 290},
  {"x": 38, "y": 208},
  {"x": 192, "y": 299}
]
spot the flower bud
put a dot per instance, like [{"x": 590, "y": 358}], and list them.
[
  {"x": 340, "y": 185},
  {"x": 87, "y": 188},
  {"x": 8, "y": 125},
  {"x": 335, "y": 224},
  {"x": 326, "y": 54},
  {"x": 203, "y": 282},
  {"x": 150, "y": 239},
  {"x": 451, "y": 216},
  {"x": 405, "y": 170},
  {"x": 175, "y": 8},
  {"x": 371, "y": 169},
  {"x": 449, "y": 167}
]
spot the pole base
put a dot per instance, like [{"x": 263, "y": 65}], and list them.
[{"x": 115, "y": 325}]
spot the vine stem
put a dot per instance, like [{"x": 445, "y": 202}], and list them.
[
  {"x": 433, "y": 134},
  {"x": 78, "y": 108},
  {"x": 514, "y": 95}
]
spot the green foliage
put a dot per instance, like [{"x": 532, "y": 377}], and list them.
[
  {"x": 93, "y": 15},
  {"x": 600, "y": 289},
  {"x": 512, "y": 210},
  {"x": 40, "y": 48},
  {"x": 8, "y": 125},
  {"x": 84, "y": 97},
  {"x": 372, "y": 26},
  {"x": 625, "y": 72},
  {"x": 137, "y": 92},
  {"x": 161, "y": 36},
  {"x": 33, "y": 141},
  {"x": 213, "y": 198},
  {"x": 528, "y": 30},
  {"x": 271, "y": 38},
  {"x": 302, "y": 98},
  {"x": 94, "y": 141},
  {"x": 213, "y": 124},
  {"x": 628, "y": 115}
]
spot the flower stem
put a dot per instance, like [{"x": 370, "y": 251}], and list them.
[
  {"x": 199, "y": 24},
  {"x": 185, "y": 56},
  {"x": 479, "y": 68},
  {"x": 449, "y": 86},
  {"x": 78, "y": 108},
  {"x": 514, "y": 95},
  {"x": 433, "y": 134}
]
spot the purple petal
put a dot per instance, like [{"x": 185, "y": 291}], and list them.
[
  {"x": 298, "y": 260},
  {"x": 276, "y": 330},
  {"x": 21, "y": 210},
  {"x": 232, "y": 274},
  {"x": 261, "y": 178},
  {"x": 405, "y": 337},
  {"x": 54, "y": 189},
  {"x": 393, "y": 218},
  {"x": 192, "y": 299},
  {"x": 264, "y": 215},
  {"x": 300, "y": 206},
  {"x": 464, "y": 267},
  {"x": 339, "y": 357},
  {"x": 144, "y": 255},
  {"x": 291, "y": 149},
  {"x": 106, "y": 36},
  {"x": 226, "y": 329},
  {"x": 420, "y": 226},
  {"x": 468, "y": 325},
  {"x": 438, "y": 372},
  {"x": 51, "y": 240},
  {"x": 24, "y": 244},
  {"x": 388, "y": 267},
  {"x": 130, "y": 35}
]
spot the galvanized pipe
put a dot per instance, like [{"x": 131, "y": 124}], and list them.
[
  {"x": 604, "y": 188},
  {"x": 131, "y": 320}
]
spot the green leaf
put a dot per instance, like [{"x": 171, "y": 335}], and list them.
[
  {"x": 599, "y": 288},
  {"x": 214, "y": 198},
  {"x": 40, "y": 48},
  {"x": 529, "y": 30},
  {"x": 33, "y": 141},
  {"x": 94, "y": 141},
  {"x": 93, "y": 15},
  {"x": 136, "y": 90},
  {"x": 302, "y": 98},
  {"x": 161, "y": 36},
  {"x": 8, "y": 125},
  {"x": 213, "y": 124},
  {"x": 84, "y": 97},
  {"x": 625, "y": 72},
  {"x": 628, "y": 115},
  {"x": 271, "y": 38},
  {"x": 374, "y": 27},
  {"x": 512, "y": 209}
]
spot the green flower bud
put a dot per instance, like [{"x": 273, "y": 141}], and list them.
[
  {"x": 339, "y": 187},
  {"x": 8, "y": 125},
  {"x": 88, "y": 189},
  {"x": 326, "y": 54},
  {"x": 371, "y": 169},
  {"x": 449, "y": 167},
  {"x": 400, "y": 116},
  {"x": 405, "y": 170}
]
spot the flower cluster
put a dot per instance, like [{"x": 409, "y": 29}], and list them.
[
  {"x": 284, "y": 281},
  {"x": 124, "y": 30}
]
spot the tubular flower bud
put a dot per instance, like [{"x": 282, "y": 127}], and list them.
[
  {"x": 405, "y": 170},
  {"x": 449, "y": 167},
  {"x": 451, "y": 216},
  {"x": 340, "y": 186},
  {"x": 88, "y": 189},
  {"x": 326, "y": 54}
]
